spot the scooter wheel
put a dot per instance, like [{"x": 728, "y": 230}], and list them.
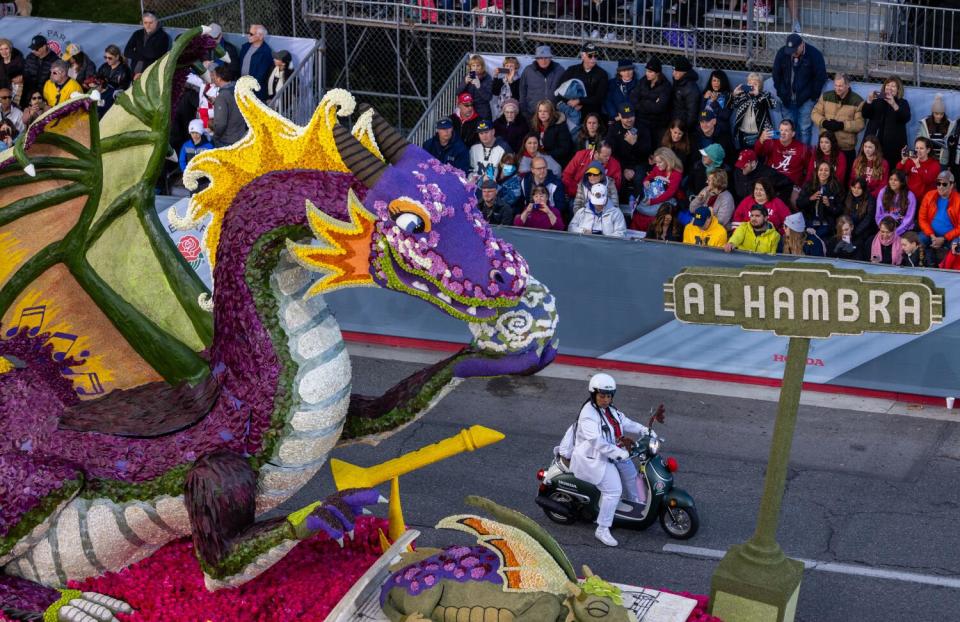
[
  {"x": 563, "y": 519},
  {"x": 682, "y": 524}
]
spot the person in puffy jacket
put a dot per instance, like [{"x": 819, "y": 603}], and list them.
[
  {"x": 652, "y": 98},
  {"x": 686, "y": 93},
  {"x": 619, "y": 88},
  {"x": 539, "y": 80},
  {"x": 757, "y": 235},
  {"x": 511, "y": 126},
  {"x": 600, "y": 216},
  {"x": 594, "y": 79}
]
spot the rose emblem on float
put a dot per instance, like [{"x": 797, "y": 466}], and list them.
[{"x": 189, "y": 246}]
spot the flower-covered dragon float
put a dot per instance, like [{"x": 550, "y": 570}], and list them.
[{"x": 136, "y": 408}]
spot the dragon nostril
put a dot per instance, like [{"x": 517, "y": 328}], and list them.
[{"x": 496, "y": 275}]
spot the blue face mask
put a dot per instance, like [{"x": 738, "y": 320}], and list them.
[{"x": 509, "y": 169}]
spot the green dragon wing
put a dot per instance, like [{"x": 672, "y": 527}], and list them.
[{"x": 87, "y": 264}]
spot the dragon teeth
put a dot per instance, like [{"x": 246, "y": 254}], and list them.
[
  {"x": 472, "y": 310},
  {"x": 444, "y": 297},
  {"x": 421, "y": 286}
]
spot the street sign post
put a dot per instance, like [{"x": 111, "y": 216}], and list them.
[{"x": 755, "y": 581}]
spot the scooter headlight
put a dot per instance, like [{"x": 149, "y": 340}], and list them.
[{"x": 653, "y": 447}]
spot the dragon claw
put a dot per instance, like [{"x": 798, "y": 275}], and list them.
[
  {"x": 365, "y": 511},
  {"x": 382, "y": 499},
  {"x": 92, "y": 607},
  {"x": 335, "y": 515}
]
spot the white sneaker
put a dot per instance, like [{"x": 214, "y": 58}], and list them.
[
  {"x": 603, "y": 535},
  {"x": 595, "y": 34},
  {"x": 796, "y": 27},
  {"x": 611, "y": 36}
]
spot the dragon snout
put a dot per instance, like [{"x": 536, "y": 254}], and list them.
[{"x": 507, "y": 270}]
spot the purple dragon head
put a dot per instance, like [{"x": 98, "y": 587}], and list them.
[{"x": 428, "y": 238}]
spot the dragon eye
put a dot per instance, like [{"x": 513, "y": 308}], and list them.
[
  {"x": 598, "y": 609},
  {"x": 411, "y": 223}
]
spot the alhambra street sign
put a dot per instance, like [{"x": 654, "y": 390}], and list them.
[
  {"x": 805, "y": 300},
  {"x": 755, "y": 580}
]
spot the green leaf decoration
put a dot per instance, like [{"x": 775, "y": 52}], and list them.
[{"x": 86, "y": 248}]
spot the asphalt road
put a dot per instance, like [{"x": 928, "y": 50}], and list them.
[{"x": 870, "y": 490}]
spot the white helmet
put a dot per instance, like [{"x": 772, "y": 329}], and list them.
[{"x": 603, "y": 382}]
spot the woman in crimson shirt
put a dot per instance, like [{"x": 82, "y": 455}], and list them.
[
  {"x": 763, "y": 195},
  {"x": 828, "y": 150},
  {"x": 871, "y": 166},
  {"x": 921, "y": 169}
]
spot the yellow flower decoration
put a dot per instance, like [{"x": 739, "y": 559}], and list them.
[{"x": 272, "y": 143}]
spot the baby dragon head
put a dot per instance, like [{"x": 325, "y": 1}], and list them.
[{"x": 418, "y": 230}]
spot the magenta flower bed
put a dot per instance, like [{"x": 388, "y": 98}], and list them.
[
  {"x": 305, "y": 585},
  {"x": 699, "y": 613}
]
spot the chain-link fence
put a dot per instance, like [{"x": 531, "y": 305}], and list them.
[
  {"x": 398, "y": 54},
  {"x": 279, "y": 16},
  {"x": 409, "y": 50}
]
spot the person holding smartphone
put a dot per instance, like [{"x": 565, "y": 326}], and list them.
[
  {"x": 538, "y": 214},
  {"x": 821, "y": 199},
  {"x": 887, "y": 114},
  {"x": 506, "y": 83},
  {"x": 479, "y": 85},
  {"x": 751, "y": 108},
  {"x": 921, "y": 169}
]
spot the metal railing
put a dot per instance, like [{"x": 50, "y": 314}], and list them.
[
  {"x": 301, "y": 93},
  {"x": 853, "y": 37},
  {"x": 442, "y": 105}
]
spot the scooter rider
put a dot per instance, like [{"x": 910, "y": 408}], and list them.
[{"x": 598, "y": 455}]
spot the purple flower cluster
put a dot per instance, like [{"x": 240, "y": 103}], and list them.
[
  {"x": 460, "y": 252},
  {"x": 32, "y": 399},
  {"x": 455, "y": 563},
  {"x": 25, "y": 480},
  {"x": 37, "y": 128}
]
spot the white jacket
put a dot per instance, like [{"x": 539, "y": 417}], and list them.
[
  {"x": 609, "y": 222},
  {"x": 594, "y": 445}
]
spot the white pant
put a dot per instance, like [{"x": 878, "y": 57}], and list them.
[{"x": 617, "y": 477}]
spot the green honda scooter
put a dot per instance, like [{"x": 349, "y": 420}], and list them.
[{"x": 566, "y": 499}]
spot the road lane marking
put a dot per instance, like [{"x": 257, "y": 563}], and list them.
[{"x": 851, "y": 569}]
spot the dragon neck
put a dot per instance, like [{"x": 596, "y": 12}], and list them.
[{"x": 283, "y": 357}]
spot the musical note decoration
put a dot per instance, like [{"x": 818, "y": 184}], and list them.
[{"x": 39, "y": 318}]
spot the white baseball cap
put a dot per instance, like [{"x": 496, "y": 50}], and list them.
[
  {"x": 598, "y": 194},
  {"x": 195, "y": 126}
]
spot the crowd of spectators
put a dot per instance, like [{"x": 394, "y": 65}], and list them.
[
  {"x": 31, "y": 82},
  {"x": 642, "y": 155}
]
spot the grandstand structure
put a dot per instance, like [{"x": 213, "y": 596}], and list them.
[{"x": 411, "y": 48}]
